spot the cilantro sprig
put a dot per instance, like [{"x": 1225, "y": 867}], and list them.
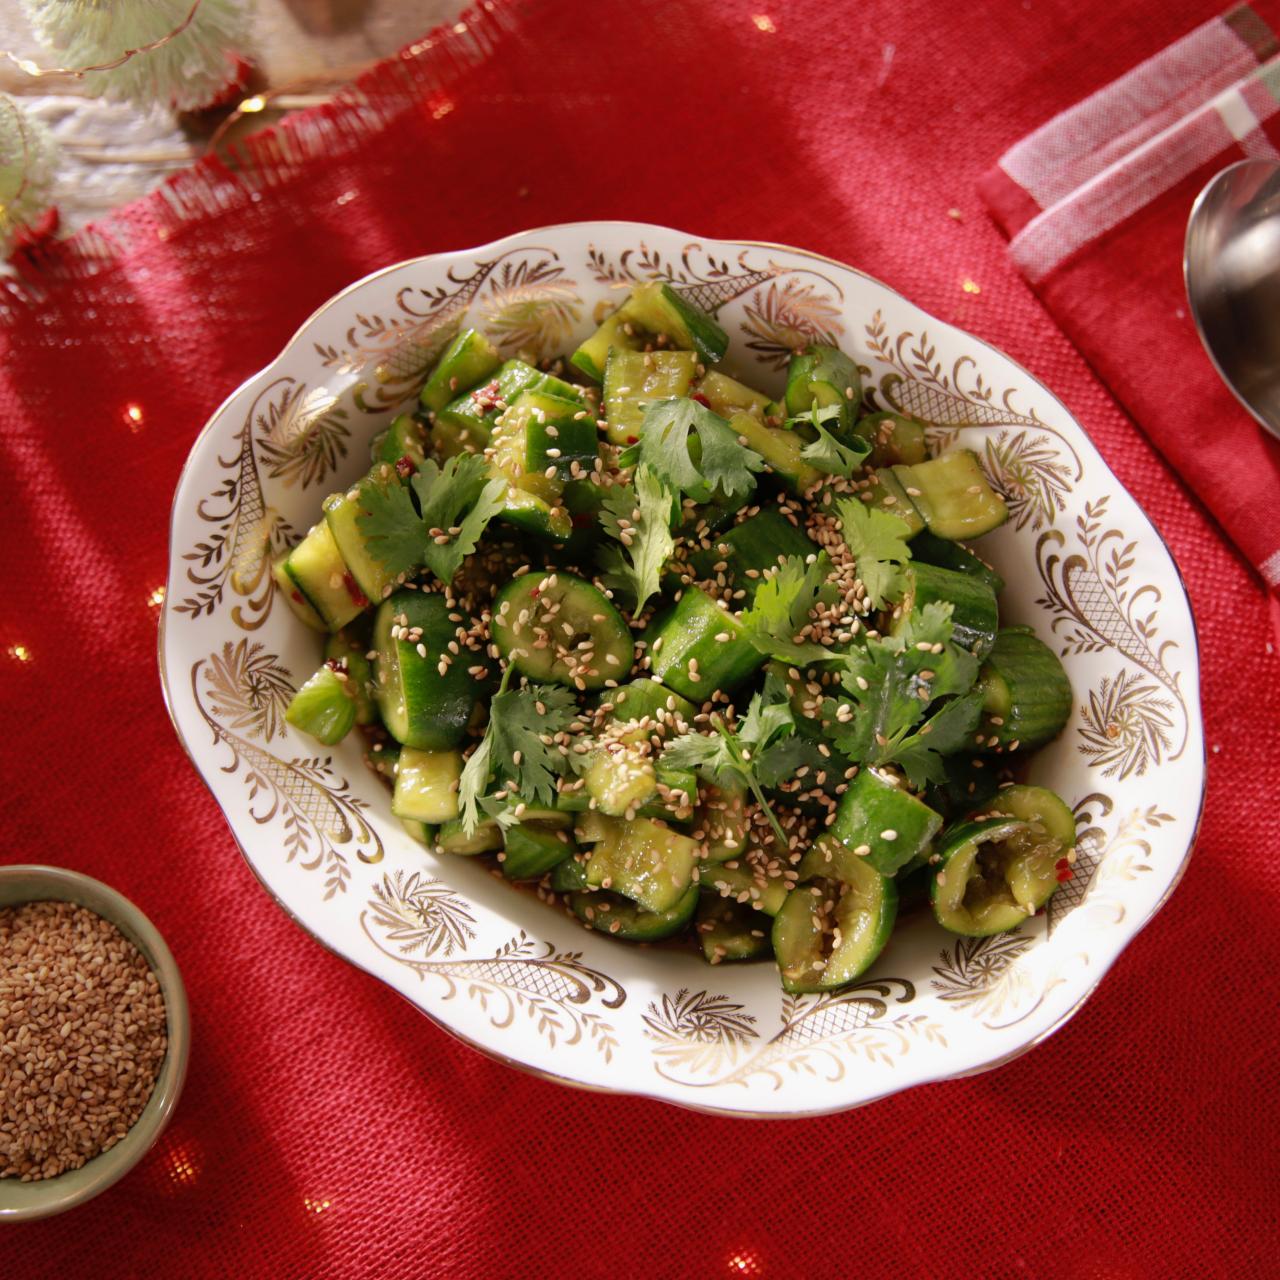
[
  {"x": 693, "y": 450},
  {"x": 782, "y": 606},
  {"x": 878, "y": 542},
  {"x": 401, "y": 538},
  {"x": 513, "y": 753},
  {"x": 892, "y": 681},
  {"x": 758, "y": 753},
  {"x": 634, "y": 567},
  {"x": 826, "y": 453}
]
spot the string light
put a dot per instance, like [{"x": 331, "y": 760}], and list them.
[
  {"x": 764, "y": 23},
  {"x": 745, "y": 1262},
  {"x": 156, "y": 598},
  {"x": 19, "y": 653},
  {"x": 316, "y": 1206},
  {"x": 133, "y": 416},
  {"x": 971, "y": 286}
]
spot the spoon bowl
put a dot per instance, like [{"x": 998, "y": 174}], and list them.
[{"x": 1231, "y": 264}]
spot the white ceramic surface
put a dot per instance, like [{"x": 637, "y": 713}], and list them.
[{"x": 524, "y": 982}]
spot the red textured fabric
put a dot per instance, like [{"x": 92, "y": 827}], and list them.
[
  {"x": 1119, "y": 296},
  {"x": 327, "y": 1129}
]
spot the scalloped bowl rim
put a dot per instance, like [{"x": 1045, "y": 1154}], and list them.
[{"x": 587, "y": 229}]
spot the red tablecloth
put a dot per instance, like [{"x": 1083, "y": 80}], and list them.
[{"x": 329, "y": 1130}]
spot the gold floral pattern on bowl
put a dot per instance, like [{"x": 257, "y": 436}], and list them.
[{"x": 524, "y": 982}]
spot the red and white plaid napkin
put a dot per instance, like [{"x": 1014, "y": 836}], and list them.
[{"x": 1095, "y": 205}]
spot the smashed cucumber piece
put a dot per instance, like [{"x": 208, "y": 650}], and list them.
[
  {"x": 728, "y": 931},
  {"x": 613, "y": 914},
  {"x": 530, "y": 617},
  {"x": 325, "y": 707},
  {"x": 1026, "y": 696},
  {"x": 952, "y": 495},
  {"x": 893, "y": 438},
  {"x": 699, "y": 647},
  {"x": 974, "y": 615},
  {"x": 635, "y": 379},
  {"x": 427, "y": 785},
  {"x": 642, "y": 860},
  {"x": 468, "y": 359},
  {"x": 822, "y": 376},
  {"x": 829, "y": 932},
  {"x": 347, "y": 650},
  {"x": 877, "y": 822}
]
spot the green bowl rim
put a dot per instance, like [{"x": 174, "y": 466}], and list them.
[{"x": 63, "y": 884}]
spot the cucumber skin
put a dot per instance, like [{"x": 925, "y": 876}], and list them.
[
  {"x": 870, "y": 806},
  {"x": 323, "y": 707},
  {"x": 635, "y": 924},
  {"x": 975, "y": 615},
  {"x": 688, "y": 632},
  {"x": 725, "y": 925},
  {"x": 954, "y": 846},
  {"x": 949, "y": 510},
  {"x": 438, "y": 708},
  {"x": 529, "y": 852},
  {"x": 1039, "y": 691},
  {"x": 470, "y": 358},
  {"x": 757, "y": 543}
]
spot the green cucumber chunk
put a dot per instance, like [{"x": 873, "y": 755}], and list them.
[
  {"x": 613, "y": 914},
  {"x": 657, "y": 308},
  {"x": 642, "y": 860},
  {"x": 1026, "y": 696},
  {"x": 722, "y": 814},
  {"x": 878, "y": 823},
  {"x": 427, "y": 785},
  {"x": 829, "y": 932},
  {"x": 893, "y": 438},
  {"x": 540, "y": 442},
  {"x": 420, "y": 706},
  {"x": 992, "y": 873},
  {"x": 886, "y": 492},
  {"x": 969, "y": 783},
  {"x": 530, "y": 617},
  {"x": 529, "y": 851},
  {"x": 453, "y": 838},
  {"x": 726, "y": 396},
  {"x": 570, "y": 876},
  {"x": 742, "y": 553},
  {"x": 343, "y": 512},
  {"x": 316, "y": 569},
  {"x": 532, "y": 514},
  {"x": 634, "y": 379},
  {"x": 974, "y": 615},
  {"x": 747, "y": 882},
  {"x": 821, "y": 376},
  {"x": 953, "y": 496},
  {"x": 620, "y": 775},
  {"x": 346, "y": 649},
  {"x": 383, "y": 757},
  {"x": 419, "y": 831},
  {"x": 699, "y": 647},
  {"x": 647, "y": 698},
  {"x": 929, "y": 549},
  {"x": 465, "y": 424},
  {"x": 616, "y": 332},
  {"x": 325, "y": 706},
  {"x": 470, "y": 358},
  {"x": 780, "y": 448},
  {"x": 1042, "y": 809},
  {"x": 296, "y": 601},
  {"x": 405, "y": 439},
  {"x": 728, "y": 932}
]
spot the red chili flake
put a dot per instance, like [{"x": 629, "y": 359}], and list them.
[
  {"x": 1065, "y": 874},
  {"x": 535, "y": 593},
  {"x": 405, "y": 467},
  {"x": 297, "y": 595},
  {"x": 701, "y": 399},
  {"x": 1061, "y": 865},
  {"x": 354, "y": 591},
  {"x": 632, "y": 439},
  {"x": 336, "y": 664}
]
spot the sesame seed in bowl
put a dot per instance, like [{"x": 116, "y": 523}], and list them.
[{"x": 93, "y": 1038}]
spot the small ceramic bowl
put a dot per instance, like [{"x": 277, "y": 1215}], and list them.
[{"x": 22, "y": 1200}]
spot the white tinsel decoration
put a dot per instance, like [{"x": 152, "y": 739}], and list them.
[
  {"x": 28, "y": 157},
  {"x": 187, "y": 72}
]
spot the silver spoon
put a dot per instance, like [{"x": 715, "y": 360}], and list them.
[{"x": 1231, "y": 264}]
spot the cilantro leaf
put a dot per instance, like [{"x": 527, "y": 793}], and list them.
[
  {"x": 464, "y": 483},
  {"x": 878, "y": 542},
  {"x": 892, "y": 681},
  {"x": 781, "y": 609},
  {"x": 946, "y": 731},
  {"x": 755, "y": 755},
  {"x": 826, "y": 453},
  {"x": 519, "y": 720},
  {"x": 635, "y": 567},
  {"x": 392, "y": 528},
  {"x": 711, "y": 459}
]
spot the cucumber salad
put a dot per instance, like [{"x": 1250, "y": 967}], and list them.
[{"x": 689, "y": 660}]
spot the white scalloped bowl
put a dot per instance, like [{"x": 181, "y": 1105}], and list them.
[{"x": 522, "y": 981}]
